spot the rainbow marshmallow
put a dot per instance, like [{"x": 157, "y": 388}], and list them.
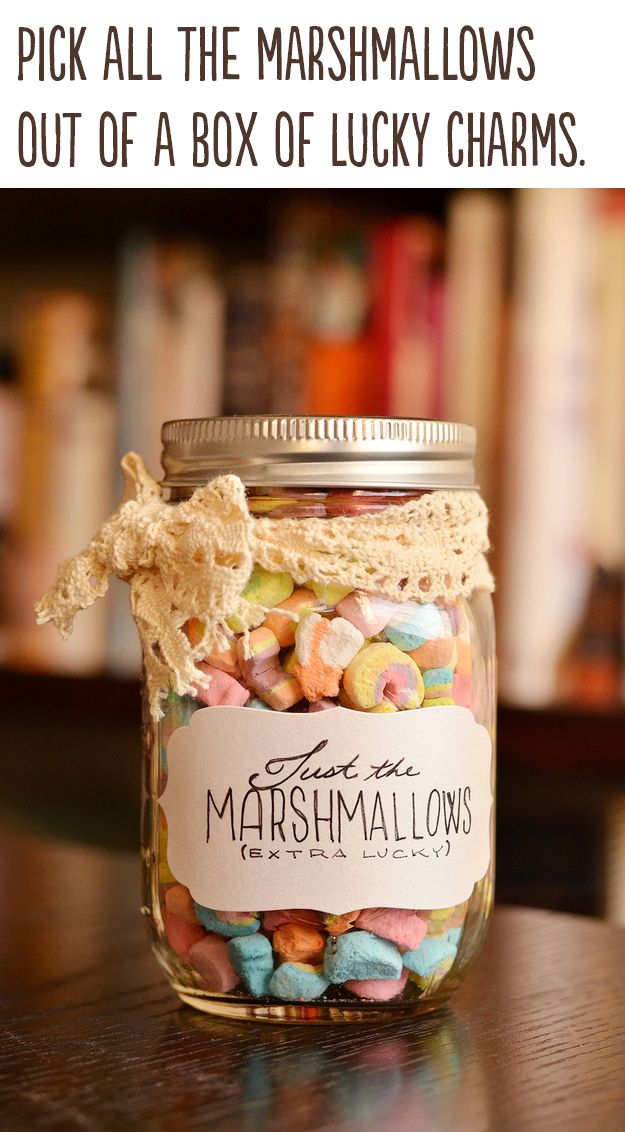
[
  {"x": 382, "y": 672},
  {"x": 227, "y": 923},
  {"x": 437, "y": 683},
  {"x": 414, "y": 624},
  {"x": 260, "y": 664}
]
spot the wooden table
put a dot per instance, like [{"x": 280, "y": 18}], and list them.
[{"x": 94, "y": 1039}]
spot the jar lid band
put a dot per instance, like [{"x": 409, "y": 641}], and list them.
[{"x": 320, "y": 451}]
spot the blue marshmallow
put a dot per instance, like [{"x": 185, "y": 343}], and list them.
[
  {"x": 431, "y": 951},
  {"x": 212, "y": 922},
  {"x": 252, "y": 958},
  {"x": 260, "y": 705},
  {"x": 453, "y": 935},
  {"x": 361, "y": 955},
  {"x": 414, "y": 624},
  {"x": 433, "y": 676},
  {"x": 297, "y": 981}
]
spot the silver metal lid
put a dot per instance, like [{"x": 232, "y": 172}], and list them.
[{"x": 358, "y": 452}]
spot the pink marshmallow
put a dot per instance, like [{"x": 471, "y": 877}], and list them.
[
  {"x": 379, "y": 989},
  {"x": 461, "y": 689},
  {"x": 277, "y": 919},
  {"x": 322, "y": 705},
  {"x": 181, "y": 935},
  {"x": 400, "y": 925},
  {"x": 368, "y": 612},
  {"x": 222, "y": 690},
  {"x": 211, "y": 961}
]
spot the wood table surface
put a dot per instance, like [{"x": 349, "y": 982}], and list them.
[{"x": 93, "y": 1038}]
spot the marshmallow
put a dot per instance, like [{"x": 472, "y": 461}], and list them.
[
  {"x": 437, "y": 683},
  {"x": 181, "y": 936},
  {"x": 361, "y": 955},
  {"x": 252, "y": 959},
  {"x": 336, "y": 925},
  {"x": 273, "y": 920},
  {"x": 370, "y": 613},
  {"x": 222, "y": 690},
  {"x": 440, "y": 652},
  {"x": 179, "y": 901},
  {"x": 321, "y": 705},
  {"x": 299, "y": 943},
  {"x": 432, "y": 951},
  {"x": 381, "y": 671},
  {"x": 165, "y": 874},
  {"x": 298, "y": 981},
  {"x": 210, "y": 959},
  {"x": 323, "y": 650},
  {"x": 400, "y": 925},
  {"x": 414, "y": 624},
  {"x": 284, "y": 618},
  {"x": 266, "y": 588},
  {"x": 259, "y": 662},
  {"x": 227, "y": 923},
  {"x": 462, "y": 689},
  {"x": 329, "y": 593},
  {"x": 279, "y": 690},
  {"x": 380, "y": 990}
]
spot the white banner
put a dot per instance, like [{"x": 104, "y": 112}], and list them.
[
  {"x": 334, "y": 810},
  {"x": 142, "y": 94}
]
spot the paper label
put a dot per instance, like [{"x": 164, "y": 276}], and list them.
[{"x": 333, "y": 810}]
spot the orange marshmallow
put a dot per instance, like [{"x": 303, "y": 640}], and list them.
[
  {"x": 441, "y": 652},
  {"x": 179, "y": 901},
  {"x": 283, "y": 625},
  {"x": 298, "y": 943},
  {"x": 324, "y": 649}
]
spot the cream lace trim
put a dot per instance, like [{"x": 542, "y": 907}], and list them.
[{"x": 193, "y": 559}]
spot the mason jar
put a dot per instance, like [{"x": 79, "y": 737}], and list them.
[{"x": 318, "y": 817}]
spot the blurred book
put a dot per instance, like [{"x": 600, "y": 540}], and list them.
[
  {"x": 407, "y": 316},
  {"x": 593, "y": 665},
  {"x": 169, "y": 364},
  {"x": 247, "y": 386},
  {"x": 475, "y": 274},
  {"x": 65, "y": 480},
  {"x": 339, "y": 367},
  {"x": 292, "y": 253},
  {"x": 170, "y": 341},
  {"x": 546, "y": 567}
]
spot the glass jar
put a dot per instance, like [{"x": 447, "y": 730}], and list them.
[{"x": 358, "y": 841}]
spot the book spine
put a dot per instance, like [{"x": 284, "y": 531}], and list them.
[
  {"x": 473, "y": 329},
  {"x": 69, "y": 437},
  {"x": 545, "y": 569},
  {"x": 405, "y": 256}
]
